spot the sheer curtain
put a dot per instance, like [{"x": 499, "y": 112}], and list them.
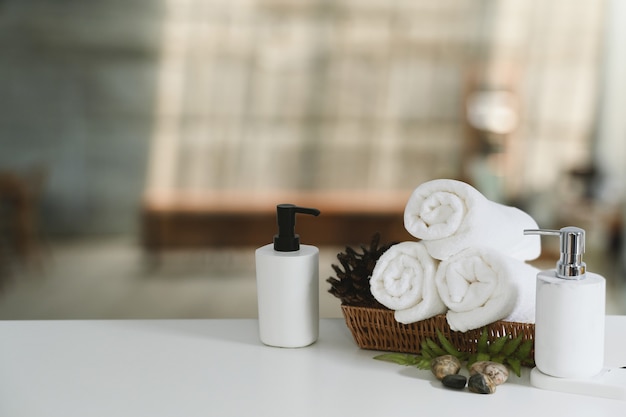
[{"x": 366, "y": 95}]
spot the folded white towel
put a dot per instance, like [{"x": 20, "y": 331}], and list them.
[
  {"x": 481, "y": 285},
  {"x": 450, "y": 215},
  {"x": 404, "y": 280}
]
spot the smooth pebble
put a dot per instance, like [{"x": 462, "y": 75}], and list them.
[
  {"x": 498, "y": 372},
  {"x": 445, "y": 365},
  {"x": 454, "y": 381},
  {"x": 481, "y": 384}
]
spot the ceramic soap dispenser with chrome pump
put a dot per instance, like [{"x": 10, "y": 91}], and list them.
[
  {"x": 570, "y": 311},
  {"x": 569, "y": 325}
]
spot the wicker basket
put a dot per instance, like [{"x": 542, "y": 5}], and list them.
[{"x": 377, "y": 329}]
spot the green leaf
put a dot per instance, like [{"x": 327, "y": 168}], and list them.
[
  {"x": 437, "y": 350},
  {"x": 448, "y": 346},
  {"x": 498, "y": 358},
  {"x": 515, "y": 365},
  {"x": 398, "y": 358},
  {"x": 482, "y": 357},
  {"x": 514, "y": 353},
  {"x": 423, "y": 363},
  {"x": 511, "y": 345},
  {"x": 472, "y": 359},
  {"x": 496, "y": 346},
  {"x": 524, "y": 350},
  {"x": 483, "y": 340},
  {"x": 426, "y": 351}
]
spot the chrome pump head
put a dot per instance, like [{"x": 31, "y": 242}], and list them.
[{"x": 571, "y": 265}]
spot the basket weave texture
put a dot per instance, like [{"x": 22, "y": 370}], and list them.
[{"x": 377, "y": 329}]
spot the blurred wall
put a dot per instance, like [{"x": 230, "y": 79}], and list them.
[
  {"x": 611, "y": 141},
  {"x": 77, "y": 82},
  {"x": 281, "y": 93}
]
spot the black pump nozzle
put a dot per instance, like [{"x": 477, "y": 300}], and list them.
[{"x": 287, "y": 240}]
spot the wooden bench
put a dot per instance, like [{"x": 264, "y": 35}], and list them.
[{"x": 175, "y": 220}]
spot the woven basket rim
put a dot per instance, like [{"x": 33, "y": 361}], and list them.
[{"x": 376, "y": 329}]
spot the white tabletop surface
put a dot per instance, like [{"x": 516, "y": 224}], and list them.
[{"x": 187, "y": 368}]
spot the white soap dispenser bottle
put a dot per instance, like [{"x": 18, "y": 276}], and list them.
[
  {"x": 287, "y": 278},
  {"x": 570, "y": 312}
]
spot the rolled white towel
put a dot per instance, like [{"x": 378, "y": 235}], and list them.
[
  {"x": 450, "y": 215},
  {"x": 481, "y": 285},
  {"x": 403, "y": 280}
]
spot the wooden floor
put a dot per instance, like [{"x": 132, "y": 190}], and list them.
[{"x": 108, "y": 279}]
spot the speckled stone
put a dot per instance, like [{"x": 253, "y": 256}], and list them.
[
  {"x": 498, "y": 372},
  {"x": 445, "y": 365},
  {"x": 455, "y": 381},
  {"x": 481, "y": 384}
]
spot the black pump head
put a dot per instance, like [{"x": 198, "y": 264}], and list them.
[{"x": 287, "y": 240}]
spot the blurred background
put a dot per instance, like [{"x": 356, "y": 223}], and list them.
[{"x": 145, "y": 144}]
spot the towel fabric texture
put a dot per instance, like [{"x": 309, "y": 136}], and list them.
[
  {"x": 480, "y": 285},
  {"x": 404, "y": 280},
  {"x": 449, "y": 216}
]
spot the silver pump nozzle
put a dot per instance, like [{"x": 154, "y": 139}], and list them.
[{"x": 571, "y": 265}]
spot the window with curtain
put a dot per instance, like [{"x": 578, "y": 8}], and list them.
[{"x": 368, "y": 95}]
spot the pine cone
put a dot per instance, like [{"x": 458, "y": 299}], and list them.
[{"x": 352, "y": 284}]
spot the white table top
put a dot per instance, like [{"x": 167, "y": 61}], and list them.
[{"x": 187, "y": 368}]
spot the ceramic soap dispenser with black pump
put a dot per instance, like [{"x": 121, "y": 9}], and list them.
[{"x": 287, "y": 278}]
